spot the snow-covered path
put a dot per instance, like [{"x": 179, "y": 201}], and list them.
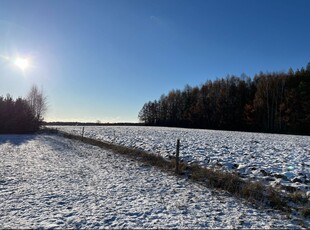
[{"x": 47, "y": 181}]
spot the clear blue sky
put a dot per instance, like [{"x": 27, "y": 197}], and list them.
[{"x": 102, "y": 60}]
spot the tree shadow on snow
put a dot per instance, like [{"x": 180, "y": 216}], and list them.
[{"x": 16, "y": 139}]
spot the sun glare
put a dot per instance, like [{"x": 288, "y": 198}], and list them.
[{"x": 22, "y": 63}]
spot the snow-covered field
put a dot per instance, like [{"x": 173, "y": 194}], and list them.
[
  {"x": 277, "y": 159},
  {"x": 51, "y": 182}
]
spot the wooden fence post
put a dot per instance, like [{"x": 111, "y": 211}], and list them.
[
  {"x": 177, "y": 156},
  {"x": 83, "y": 131}
]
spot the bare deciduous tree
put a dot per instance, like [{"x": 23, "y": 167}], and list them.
[{"x": 37, "y": 102}]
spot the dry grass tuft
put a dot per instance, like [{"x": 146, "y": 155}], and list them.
[
  {"x": 305, "y": 211},
  {"x": 298, "y": 197},
  {"x": 276, "y": 200}
]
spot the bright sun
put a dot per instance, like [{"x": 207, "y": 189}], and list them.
[{"x": 22, "y": 63}]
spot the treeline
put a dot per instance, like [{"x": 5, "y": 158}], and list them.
[
  {"x": 70, "y": 123},
  {"x": 22, "y": 115},
  {"x": 270, "y": 102}
]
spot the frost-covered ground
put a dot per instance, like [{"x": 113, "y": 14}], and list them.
[
  {"x": 278, "y": 159},
  {"x": 51, "y": 182}
]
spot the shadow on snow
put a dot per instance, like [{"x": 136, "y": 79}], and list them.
[{"x": 16, "y": 139}]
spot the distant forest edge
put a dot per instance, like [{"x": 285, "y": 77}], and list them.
[
  {"x": 76, "y": 123},
  {"x": 270, "y": 102}
]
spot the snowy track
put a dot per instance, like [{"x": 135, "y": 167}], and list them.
[{"x": 47, "y": 181}]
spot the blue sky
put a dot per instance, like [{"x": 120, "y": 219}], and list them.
[{"x": 102, "y": 60}]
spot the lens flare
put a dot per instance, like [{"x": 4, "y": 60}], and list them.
[{"x": 22, "y": 63}]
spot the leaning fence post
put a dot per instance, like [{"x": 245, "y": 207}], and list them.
[
  {"x": 83, "y": 131},
  {"x": 177, "y": 156}
]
